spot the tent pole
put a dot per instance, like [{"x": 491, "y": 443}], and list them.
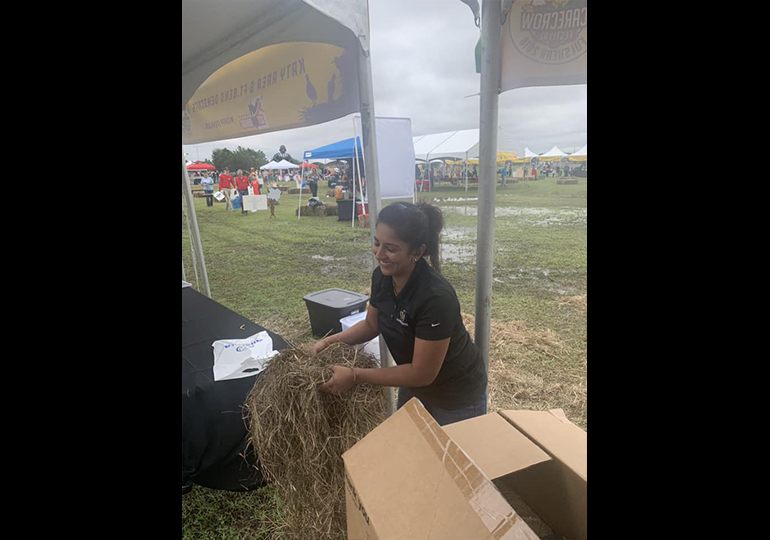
[
  {"x": 299, "y": 204},
  {"x": 369, "y": 139},
  {"x": 354, "y": 167},
  {"x": 488, "y": 119},
  {"x": 194, "y": 232},
  {"x": 360, "y": 183},
  {"x": 192, "y": 253},
  {"x": 353, "y": 212},
  {"x": 465, "y": 173}
]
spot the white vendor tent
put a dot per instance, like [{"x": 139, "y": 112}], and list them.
[
  {"x": 554, "y": 154},
  {"x": 580, "y": 155},
  {"x": 461, "y": 144},
  {"x": 283, "y": 164}
]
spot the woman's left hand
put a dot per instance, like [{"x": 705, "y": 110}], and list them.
[{"x": 343, "y": 379}]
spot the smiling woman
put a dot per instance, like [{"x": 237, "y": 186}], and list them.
[{"x": 418, "y": 314}]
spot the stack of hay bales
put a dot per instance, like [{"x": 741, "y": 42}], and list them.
[{"x": 299, "y": 434}]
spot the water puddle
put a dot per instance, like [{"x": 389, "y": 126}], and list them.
[{"x": 539, "y": 217}]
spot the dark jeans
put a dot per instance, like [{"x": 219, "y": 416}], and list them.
[
  {"x": 209, "y": 198},
  {"x": 313, "y": 188},
  {"x": 447, "y": 416},
  {"x": 243, "y": 193}
]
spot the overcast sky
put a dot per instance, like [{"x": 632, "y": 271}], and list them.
[{"x": 422, "y": 57}]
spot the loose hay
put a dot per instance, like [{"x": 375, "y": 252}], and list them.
[
  {"x": 514, "y": 386},
  {"x": 300, "y": 433}
]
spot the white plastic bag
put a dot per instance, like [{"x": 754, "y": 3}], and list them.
[{"x": 238, "y": 358}]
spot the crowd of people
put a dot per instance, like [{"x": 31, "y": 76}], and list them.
[{"x": 454, "y": 173}]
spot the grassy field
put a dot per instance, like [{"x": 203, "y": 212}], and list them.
[{"x": 262, "y": 267}]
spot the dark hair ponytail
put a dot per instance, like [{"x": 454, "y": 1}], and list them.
[{"x": 416, "y": 225}]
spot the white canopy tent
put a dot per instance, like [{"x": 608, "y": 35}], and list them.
[
  {"x": 270, "y": 166},
  {"x": 210, "y": 41},
  {"x": 460, "y": 144},
  {"x": 456, "y": 144},
  {"x": 582, "y": 152},
  {"x": 529, "y": 153},
  {"x": 284, "y": 164},
  {"x": 554, "y": 152}
]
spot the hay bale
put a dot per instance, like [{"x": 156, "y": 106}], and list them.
[
  {"x": 300, "y": 433},
  {"x": 316, "y": 211},
  {"x": 331, "y": 210}
]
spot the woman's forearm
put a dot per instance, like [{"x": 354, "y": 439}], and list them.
[
  {"x": 361, "y": 332},
  {"x": 404, "y": 375}
]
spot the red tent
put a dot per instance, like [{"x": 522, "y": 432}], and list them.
[
  {"x": 200, "y": 167},
  {"x": 309, "y": 166}
]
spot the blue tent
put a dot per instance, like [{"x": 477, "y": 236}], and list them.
[{"x": 338, "y": 150}]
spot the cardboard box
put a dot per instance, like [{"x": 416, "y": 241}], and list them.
[
  {"x": 555, "y": 489},
  {"x": 409, "y": 478}
]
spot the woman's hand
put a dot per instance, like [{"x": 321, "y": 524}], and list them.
[
  {"x": 343, "y": 379},
  {"x": 318, "y": 346}
]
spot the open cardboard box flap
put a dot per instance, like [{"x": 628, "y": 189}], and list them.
[
  {"x": 538, "y": 455},
  {"x": 408, "y": 479},
  {"x": 499, "y": 450}
]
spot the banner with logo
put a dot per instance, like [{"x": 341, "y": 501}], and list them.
[
  {"x": 280, "y": 86},
  {"x": 544, "y": 43}
]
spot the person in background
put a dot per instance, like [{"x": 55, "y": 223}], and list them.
[
  {"x": 261, "y": 182},
  {"x": 312, "y": 183},
  {"x": 254, "y": 183},
  {"x": 242, "y": 185},
  {"x": 225, "y": 186},
  {"x": 208, "y": 189},
  {"x": 418, "y": 314},
  {"x": 503, "y": 174}
]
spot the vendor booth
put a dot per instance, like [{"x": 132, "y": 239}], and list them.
[{"x": 395, "y": 159}]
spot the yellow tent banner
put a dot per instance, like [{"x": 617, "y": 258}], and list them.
[
  {"x": 280, "y": 86},
  {"x": 501, "y": 159}
]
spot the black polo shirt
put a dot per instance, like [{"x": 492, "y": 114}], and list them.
[{"x": 427, "y": 308}]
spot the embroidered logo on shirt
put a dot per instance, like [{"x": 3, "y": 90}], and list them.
[
  {"x": 434, "y": 325},
  {"x": 402, "y": 317}
]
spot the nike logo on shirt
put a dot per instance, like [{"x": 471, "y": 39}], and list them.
[{"x": 435, "y": 324}]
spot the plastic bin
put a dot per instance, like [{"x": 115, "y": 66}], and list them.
[
  {"x": 371, "y": 347},
  {"x": 328, "y": 306}
]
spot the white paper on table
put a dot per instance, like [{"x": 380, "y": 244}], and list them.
[{"x": 238, "y": 358}]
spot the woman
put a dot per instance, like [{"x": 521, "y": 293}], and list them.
[
  {"x": 417, "y": 312},
  {"x": 242, "y": 185}
]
